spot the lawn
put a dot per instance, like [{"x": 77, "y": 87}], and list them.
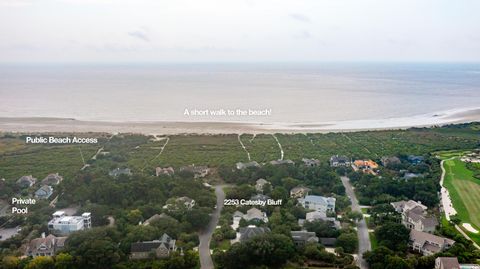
[
  {"x": 464, "y": 191},
  {"x": 373, "y": 240}
]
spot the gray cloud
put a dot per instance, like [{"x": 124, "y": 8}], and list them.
[
  {"x": 300, "y": 17},
  {"x": 141, "y": 35}
]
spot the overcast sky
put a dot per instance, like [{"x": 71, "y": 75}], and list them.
[{"x": 238, "y": 30}]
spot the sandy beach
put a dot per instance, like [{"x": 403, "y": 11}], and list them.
[{"x": 41, "y": 124}]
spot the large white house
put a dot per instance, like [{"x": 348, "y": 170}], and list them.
[
  {"x": 318, "y": 203},
  {"x": 62, "y": 224}
]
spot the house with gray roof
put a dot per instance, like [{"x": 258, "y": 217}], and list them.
[
  {"x": 328, "y": 241},
  {"x": 120, "y": 171},
  {"x": 428, "y": 244},
  {"x": 452, "y": 263},
  {"x": 418, "y": 219},
  {"x": 415, "y": 216},
  {"x": 26, "y": 181},
  {"x": 52, "y": 179},
  {"x": 253, "y": 214},
  {"x": 310, "y": 162},
  {"x": 160, "y": 248},
  {"x": 45, "y": 246},
  {"x": 198, "y": 171},
  {"x": 247, "y": 233},
  {"x": 413, "y": 159},
  {"x": 168, "y": 171},
  {"x": 157, "y": 217},
  {"x": 337, "y": 161},
  {"x": 390, "y": 160},
  {"x": 281, "y": 162},
  {"x": 241, "y": 166},
  {"x": 319, "y": 215},
  {"x": 259, "y": 196},
  {"x": 447, "y": 263},
  {"x": 44, "y": 192},
  {"x": 260, "y": 184},
  {"x": 408, "y": 176},
  {"x": 318, "y": 203},
  {"x": 301, "y": 238}
]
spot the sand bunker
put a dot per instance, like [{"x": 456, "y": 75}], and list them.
[{"x": 469, "y": 228}]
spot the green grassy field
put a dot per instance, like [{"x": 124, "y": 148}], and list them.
[
  {"x": 464, "y": 191},
  {"x": 41, "y": 160}
]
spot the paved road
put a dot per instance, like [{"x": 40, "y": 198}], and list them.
[
  {"x": 362, "y": 229},
  {"x": 205, "y": 237}
]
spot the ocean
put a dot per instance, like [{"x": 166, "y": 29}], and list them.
[{"x": 261, "y": 93}]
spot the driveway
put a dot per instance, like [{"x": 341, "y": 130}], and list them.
[
  {"x": 362, "y": 229},
  {"x": 205, "y": 236},
  {"x": 8, "y": 233}
]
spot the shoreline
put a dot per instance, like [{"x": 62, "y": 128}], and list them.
[{"x": 69, "y": 125}]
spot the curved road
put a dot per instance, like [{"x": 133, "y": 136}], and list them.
[
  {"x": 362, "y": 229},
  {"x": 206, "y": 235}
]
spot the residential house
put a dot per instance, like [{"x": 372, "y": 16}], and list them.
[
  {"x": 184, "y": 201},
  {"x": 197, "y": 171},
  {"x": 402, "y": 206},
  {"x": 253, "y": 214},
  {"x": 169, "y": 171},
  {"x": 310, "y": 162},
  {"x": 319, "y": 215},
  {"x": 337, "y": 161},
  {"x": 52, "y": 179},
  {"x": 389, "y": 161},
  {"x": 366, "y": 166},
  {"x": 299, "y": 192},
  {"x": 62, "y": 224},
  {"x": 447, "y": 263},
  {"x": 241, "y": 166},
  {"x": 428, "y": 244},
  {"x": 318, "y": 203},
  {"x": 26, "y": 181},
  {"x": 415, "y": 216},
  {"x": 281, "y": 162},
  {"x": 251, "y": 231},
  {"x": 259, "y": 196},
  {"x": 120, "y": 171},
  {"x": 452, "y": 263},
  {"x": 44, "y": 192},
  {"x": 328, "y": 241},
  {"x": 301, "y": 238},
  {"x": 260, "y": 183},
  {"x": 156, "y": 217},
  {"x": 408, "y": 176},
  {"x": 415, "y": 159},
  {"x": 160, "y": 248},
  {"x": 44, "y": 246}
]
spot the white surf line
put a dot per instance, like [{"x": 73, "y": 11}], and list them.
[
  {"x": 279, "y": 146},
  {"x": 244, "y": 148},
  {"x": 158, "y": 155}
]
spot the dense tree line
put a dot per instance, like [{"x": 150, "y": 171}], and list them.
[{"x": 389, "y": 186}]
